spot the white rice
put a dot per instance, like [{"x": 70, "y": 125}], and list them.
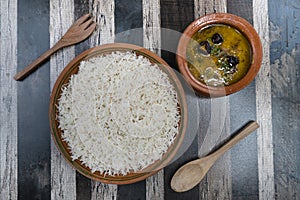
[{"x": 119, "y": 113}]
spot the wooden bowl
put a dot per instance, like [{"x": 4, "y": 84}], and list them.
[
  {"x": 243, "y": 27},
  {"x": 72, "y": 68}
]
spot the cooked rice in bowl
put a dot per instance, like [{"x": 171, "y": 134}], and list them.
[{"x": 119, "y": 114}]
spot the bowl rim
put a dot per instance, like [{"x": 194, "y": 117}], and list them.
[
  {"x": 238, "y": 23},
  {"x": 62, "y": 146}
]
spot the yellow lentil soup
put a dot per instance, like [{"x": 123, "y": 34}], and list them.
[{"x": 218, "y": 55}]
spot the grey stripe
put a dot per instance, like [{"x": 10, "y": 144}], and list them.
[
  {"x": 8, "y": 100},
  {"x": 263, "y": 105},
  {"x": 103, "y": 11},
  {"x": 63, "y": 177}
]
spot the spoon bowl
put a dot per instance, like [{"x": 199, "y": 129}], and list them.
[{"x": 190, "y": 174}]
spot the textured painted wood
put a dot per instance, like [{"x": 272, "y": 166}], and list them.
[
  {"x": 152, "y": 41},
  {"x": 285, "y": 76},
  {"x": 218, "y": 115},
  {"x": 82, "y": 7},
  {"x": 264, "y": 105},
  {"x": 277, "y": 103},
  {"x": 8, "y": 100},
  {"x": 63, "y": 177},
  {"x": 203, "y": 7},
  {"x": 83, "y": 184},
  {"x": 244, "y": 156},
  {"x": 103, "y": 191},
  {"x": 33, "y": 101},
  {"x": 217, "y": 183},
  {"x": 175, "y": 16},
  {"x": 155, "y": 186},
  {"x": 128, "y": 29},
  {"x": 151, "y": 25},
  {"x": 103, "y": 11},
  {"x": 128, "y": 21},
  {"x": 242, "y": 8}
]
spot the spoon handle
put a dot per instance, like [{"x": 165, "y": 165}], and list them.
[
  {"x": 244, "y": 132},
  {"x": 36, "y": 63}
]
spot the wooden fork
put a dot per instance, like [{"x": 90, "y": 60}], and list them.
[{"x": 79, "y": 31}]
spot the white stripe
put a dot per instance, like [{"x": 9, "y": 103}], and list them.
[
  {"x": 219, "y": 177},
  {"x": 152, "y": 41},
  {"x": 8, "y": 100},
  {"x": 155, "y": 186},
  {"x": 63, "y": 177},
  {"x": 103, "y": 191},
  {"x": 263, "y": 105},
  {"x": 151, "y": 25},
  {"x": 103, "y": 11}
]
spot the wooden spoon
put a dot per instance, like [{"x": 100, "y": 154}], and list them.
[
  {"x": 79, "y": 31},
  {"x": 190, "y": 174}
]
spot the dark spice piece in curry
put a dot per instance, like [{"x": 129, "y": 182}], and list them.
[{"x": 217, "y": 38}]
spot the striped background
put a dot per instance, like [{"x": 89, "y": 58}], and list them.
[{"x": 266, "y": 165}]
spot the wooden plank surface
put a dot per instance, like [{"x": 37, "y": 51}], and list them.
[
  {"x": 263, "y": 166},
  {"x": 285, "y": 76},
  {"x": 8, "y": 100},
  {"x": 203, "y": 7},
  {"x": 264, "y": 105},
  {"x": 129, "y": 21},
  {"x": 128, "y": 29},
  {"x": 84, "y": 186},
  {"x": 243, "y": 104},
  {"x": 151, "y": 26},
  {"x": 217, "y": 183},
  {"x": 63, "y": 177},
  {"x": 33, "y": 101},
  {"x": 242, "y": 8},
  {"x": 152, "y": 41},
  {"x": 103, "y": 11},
  {"x": 175, "y": 16}
]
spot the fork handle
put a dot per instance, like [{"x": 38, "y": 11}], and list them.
[{"x": 35, "y": 64}]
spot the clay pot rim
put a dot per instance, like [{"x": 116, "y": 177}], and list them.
[{"x": 227, "y": 19}]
